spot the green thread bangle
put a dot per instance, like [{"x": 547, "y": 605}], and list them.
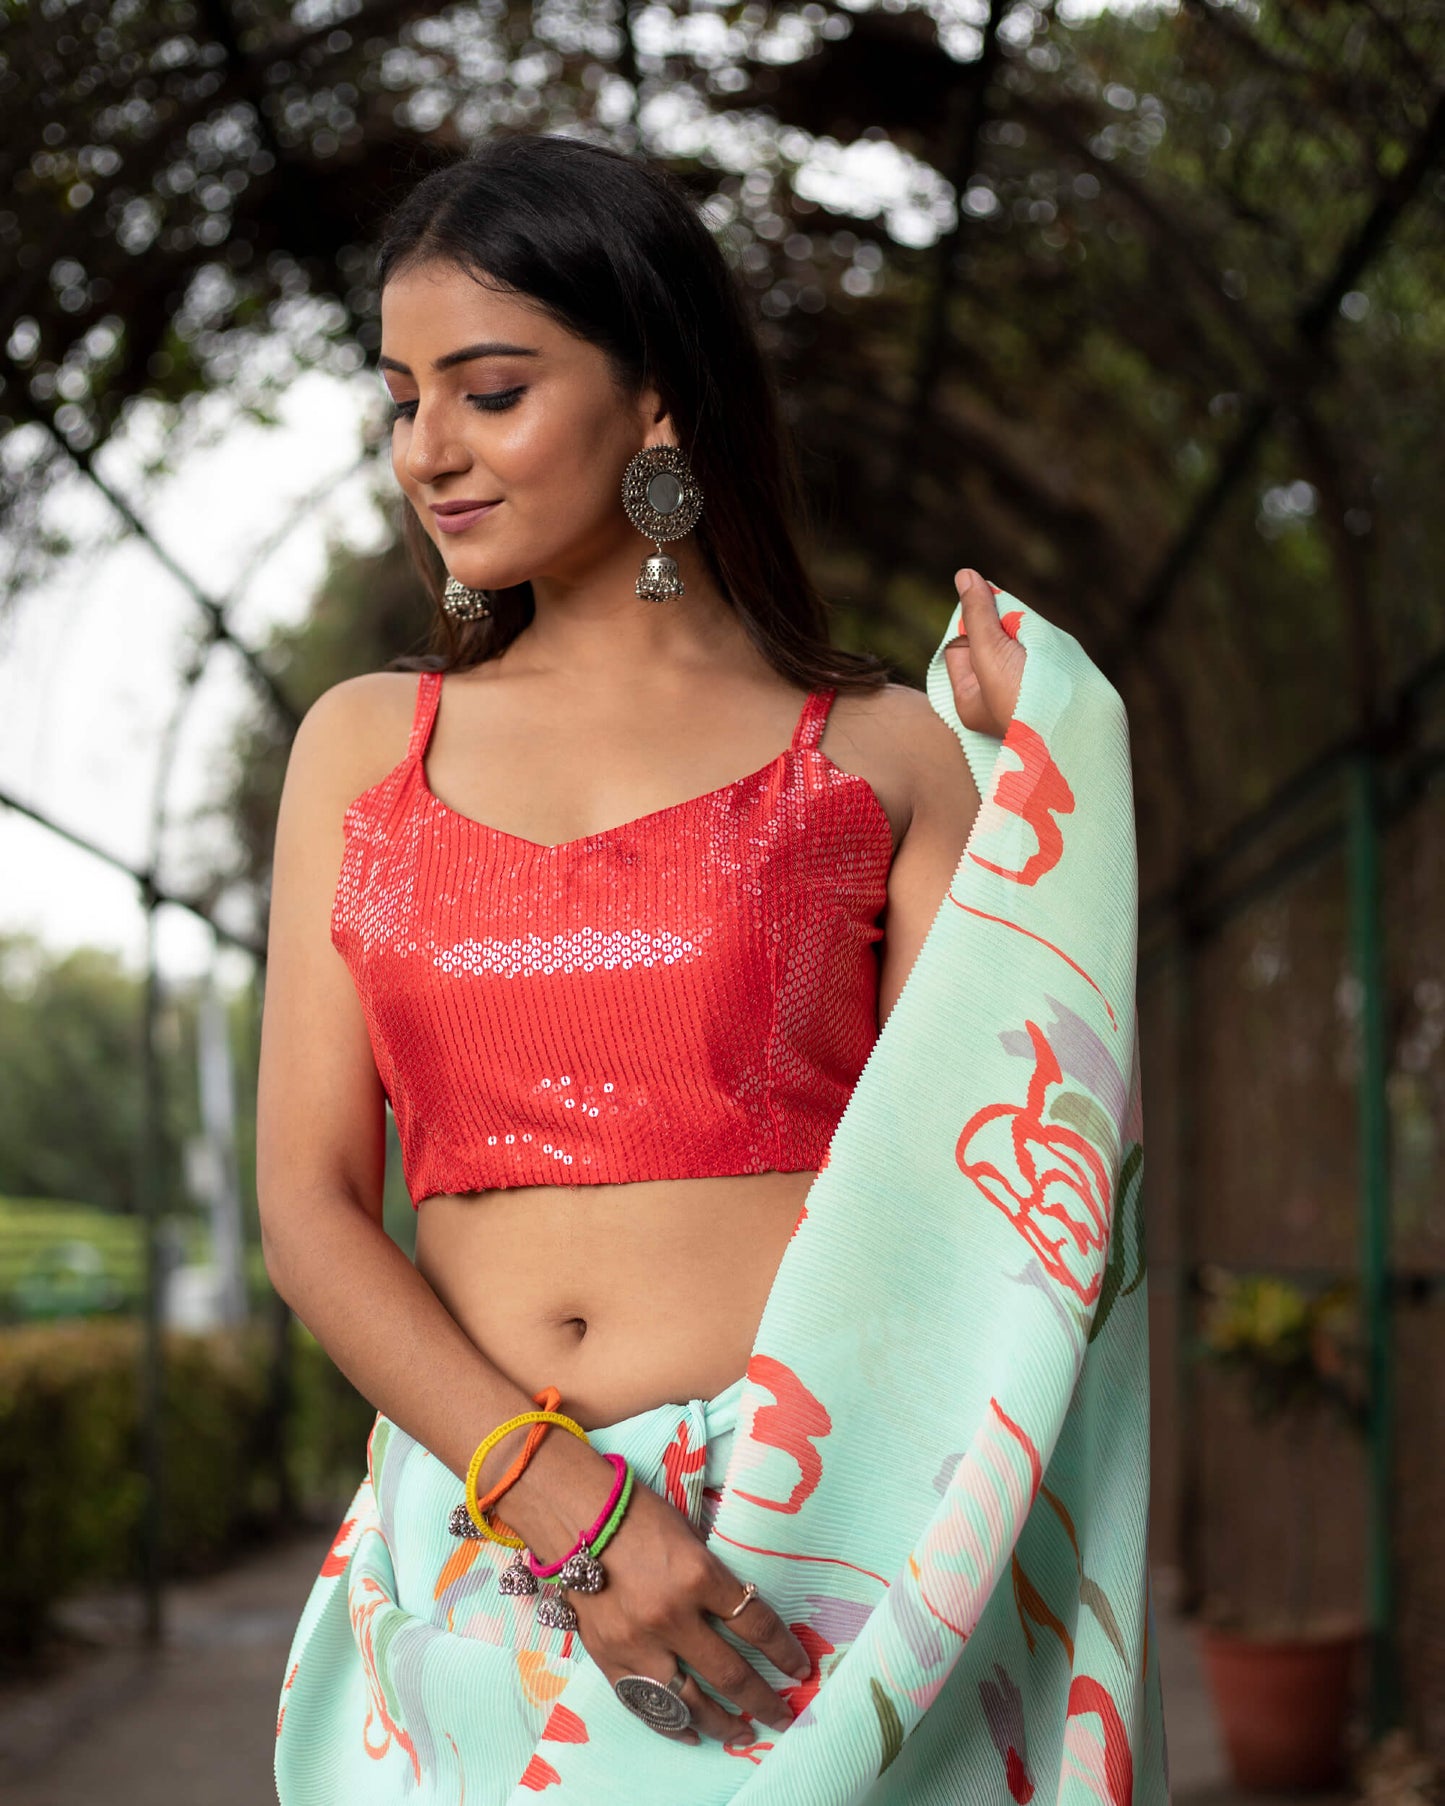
[
  {"x": 609, "y": 1529},
  {"x": 605, "y": 1534}
]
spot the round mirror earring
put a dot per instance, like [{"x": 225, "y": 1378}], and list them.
[
  {"x": 464, "y": 604},
  {"x": 663, "y": 501}
]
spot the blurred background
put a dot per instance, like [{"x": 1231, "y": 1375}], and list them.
[{"x": 1137, "y": 308}]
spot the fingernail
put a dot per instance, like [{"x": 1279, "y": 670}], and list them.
[
  {"x": 691, "y": 1737},
  {"x": 801, "y": 1673}
]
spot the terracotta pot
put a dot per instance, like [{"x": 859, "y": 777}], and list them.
[{"x": 1282, "y": 1703}]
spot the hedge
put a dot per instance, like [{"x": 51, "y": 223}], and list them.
[{"x": 71, "y": 1480}]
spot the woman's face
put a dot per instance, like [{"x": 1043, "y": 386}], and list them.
[{"x": 498, "y": 404}]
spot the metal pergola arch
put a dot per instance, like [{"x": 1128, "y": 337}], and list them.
[{"x": 152, "y": 896}]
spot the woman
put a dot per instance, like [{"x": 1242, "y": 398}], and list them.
[{"x": 552, "y": 892}]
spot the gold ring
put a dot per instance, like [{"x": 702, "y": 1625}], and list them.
[{"x": 750, "y": 1590}]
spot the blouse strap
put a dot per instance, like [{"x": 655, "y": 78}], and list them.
[
  {"x": 428, "y": 695},
  {"x": 813, "y": 719}
]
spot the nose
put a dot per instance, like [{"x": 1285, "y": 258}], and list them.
[{"x": 433, "y": 445}]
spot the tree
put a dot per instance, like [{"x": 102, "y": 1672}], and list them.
[
  {"x": 1138, "y": 315},
  {"x": 69, "y": 1077}
]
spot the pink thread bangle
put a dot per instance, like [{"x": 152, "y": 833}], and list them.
[{"x": 619, "y": 1469}]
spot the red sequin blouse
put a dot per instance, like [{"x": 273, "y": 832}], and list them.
[{"x": 688, "y": 994}]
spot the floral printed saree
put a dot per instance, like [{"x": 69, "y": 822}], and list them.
[{"x": 938, "y": 1474}]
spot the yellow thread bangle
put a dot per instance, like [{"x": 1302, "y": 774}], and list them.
[{"x": 485, "y": 1447}]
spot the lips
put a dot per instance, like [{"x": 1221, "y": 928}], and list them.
[{"x": 456, "y": 517}]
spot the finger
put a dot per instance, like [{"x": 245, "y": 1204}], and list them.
[
  {"x": 658, "y": 1666},
  {"x": 984, "y": 661},
  {"x": 729, "y": 1672},
  {"x": 761, "y": 1626},
  {"x": 958, "y": 662},
  {"x": 981, "y": 624},
  {"x": 968, "y": 695},
  {"x": 708, "y": 1716}
]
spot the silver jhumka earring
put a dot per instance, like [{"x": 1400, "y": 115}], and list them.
[
  {"x": 464, "y": 604},
  {"x": 663, "y": 501}
]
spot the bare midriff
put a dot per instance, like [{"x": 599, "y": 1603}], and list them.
[{"x": 622, "y": 1296}]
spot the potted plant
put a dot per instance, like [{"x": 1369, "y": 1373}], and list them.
[{"x": 1282, "y": 1688}]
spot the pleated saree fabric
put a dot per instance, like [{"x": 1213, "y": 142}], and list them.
[{"x": 936, "y": 1464}]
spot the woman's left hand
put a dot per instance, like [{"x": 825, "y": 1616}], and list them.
[{"x": 985, "y": 665}]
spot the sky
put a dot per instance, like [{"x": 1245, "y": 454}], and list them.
[{"x": 90, "y": 660}]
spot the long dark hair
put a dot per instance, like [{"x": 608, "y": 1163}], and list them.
[{"x": 612, "y": 247}]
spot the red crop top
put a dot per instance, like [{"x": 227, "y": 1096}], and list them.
[{"x": 691, "y": 993}]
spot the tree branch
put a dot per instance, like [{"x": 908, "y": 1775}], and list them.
[
  {"x": 1313, "y": 324},
  {"x": 217, "y": 626},
  {"x": 145, "y": 878}
]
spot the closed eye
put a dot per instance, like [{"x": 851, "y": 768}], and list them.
[{"x": 494, "y": 403}]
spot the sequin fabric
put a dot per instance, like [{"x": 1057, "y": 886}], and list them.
[{"x": 692, "y": 993}]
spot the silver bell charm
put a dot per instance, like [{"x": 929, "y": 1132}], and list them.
[
  {"x": 464, "y": 604},
  {"x": 516, "y": 1578},
  {"x": 517, "y": 1581},
  {"x": 659, "y": 578},
  {"x": 460, "y": 1523},
  {"x": 582, "y": 1572},
  {"x": 554, "y": 1611},
  {"x": 663, "y": 501}
]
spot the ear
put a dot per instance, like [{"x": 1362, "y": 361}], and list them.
[{"x": 652, "y": 412}]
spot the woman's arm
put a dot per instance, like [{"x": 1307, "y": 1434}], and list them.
[
  {"x": 322, "y": 1127},
  {"x": 985, "y": 668},
  {"x": 944, "y": 802},
  {"x": 320, "y": 1165}
]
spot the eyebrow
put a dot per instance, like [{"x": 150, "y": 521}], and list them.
[{"x": 488, "y": 348}]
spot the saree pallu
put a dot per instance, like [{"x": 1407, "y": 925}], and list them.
[{"x": 938, "y": 1474}]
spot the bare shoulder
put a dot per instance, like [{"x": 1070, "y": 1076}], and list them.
[
  {"x": 896, "y": 732},
  {"x": 898, "y": 713},
  {"x": 353, "y": 734},
  {"x": 893, "y": 738}
]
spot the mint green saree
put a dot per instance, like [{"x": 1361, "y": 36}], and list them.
[{"x": 938, "y": 1470}]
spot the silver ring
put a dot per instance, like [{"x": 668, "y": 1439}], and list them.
[
  {"x": 750, "y": 1592},
  {"x": 658, "y": 1704}
]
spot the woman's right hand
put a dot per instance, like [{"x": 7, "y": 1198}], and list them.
[
  {"x": 656, "y": 1606},
  {"x": 984, "y": 662}
]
